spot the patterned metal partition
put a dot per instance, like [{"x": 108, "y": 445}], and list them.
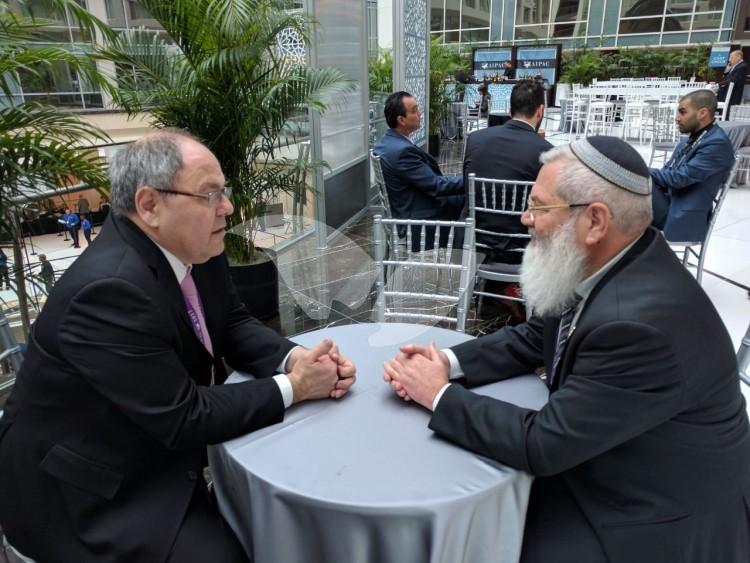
[{"x": 411, "y": 56}]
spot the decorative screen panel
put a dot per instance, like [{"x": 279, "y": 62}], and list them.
[{"x": 410, "y": 62}]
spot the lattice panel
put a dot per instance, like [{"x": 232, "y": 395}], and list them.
[
  {"x": 291, "y": 44},
  {"x": 415, "y": 58}
]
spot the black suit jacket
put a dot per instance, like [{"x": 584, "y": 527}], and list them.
[
  {"x": 510, "y": 152},
  {"x": 642, "y": 451},
  {"x": 104, "y": 435},
  {"x": 738, "y": 76}
]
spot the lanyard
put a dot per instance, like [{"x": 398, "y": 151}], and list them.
[{"x": 689, "y": 148}]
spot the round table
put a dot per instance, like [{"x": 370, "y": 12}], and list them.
[{"x": 363, "y": 479}]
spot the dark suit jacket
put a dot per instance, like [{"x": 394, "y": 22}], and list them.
[
  {"x": 416, "y": 187},
  {"x": 104, "y": 435},
  {"x": 510, "y": 152},
  {"x": 692, "y": 182},
  {"x": 738, "y": 76},
  {"x": 643, "y": 449}
]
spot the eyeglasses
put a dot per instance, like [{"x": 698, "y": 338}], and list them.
[
  {"x": 212, "y": 198},
  {"x": 541, "y": 209}
]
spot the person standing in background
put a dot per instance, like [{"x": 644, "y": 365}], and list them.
[
  {"x": 86, "y": 226},
  {"x": 46, "y": 273}
]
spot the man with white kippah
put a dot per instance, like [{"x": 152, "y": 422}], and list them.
[{"x": 641, "y": 453}]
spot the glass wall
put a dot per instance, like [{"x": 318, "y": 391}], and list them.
[
  {"x": 58, "y": 84},
  {"x": 576, "y": 23}
]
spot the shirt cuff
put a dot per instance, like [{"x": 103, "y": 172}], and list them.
[
  {"x": 282, "y": 366},
  {"x": 439, "y": 396},
  {"x": 285, "y": 386},
  {"x": 456, "y": 370}
]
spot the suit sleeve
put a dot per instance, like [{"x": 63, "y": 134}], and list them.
[
  {"x": 614, "y": 393},
  {"x": 712, "y": 156},
  {"x": 418, "y": 174},
  {"x": 133, "y": 360},
  {"x": 506, "y": 353}
]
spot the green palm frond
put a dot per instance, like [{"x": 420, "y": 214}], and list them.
[{"x": 224, "y": 80}]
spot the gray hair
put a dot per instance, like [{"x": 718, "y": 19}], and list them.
[
  {"x": 631, "y": 213},
  {"x": 154, "y": 160}
]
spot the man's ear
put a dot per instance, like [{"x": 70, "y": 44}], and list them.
[
  {"x": 147, "y": 205},
  {"x": 599, "y": 222}
]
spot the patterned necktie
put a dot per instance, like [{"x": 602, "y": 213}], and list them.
[
  {"x": 562, "y": 338},
  {"x": 195, "y": 311}
]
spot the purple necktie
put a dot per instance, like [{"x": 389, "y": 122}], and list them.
[{"x": 195, "y": 311}]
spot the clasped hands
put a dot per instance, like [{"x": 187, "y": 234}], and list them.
[
  {"x": 319, "y": 373},
  {"x": 418, "y": 373}
]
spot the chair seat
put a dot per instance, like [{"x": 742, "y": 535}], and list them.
[
  {"x": 500, "y": 268},
  {"x": 665, "y": 145}
]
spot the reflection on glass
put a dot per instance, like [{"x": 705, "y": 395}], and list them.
[
  {"x": 532, "y": 11},
  {"x": 115, "y": 13},
  {"x": 475, "y": 14},
  {"x": 679, "y": 6},
  {"x": 475, "y": 35},
  {"x": 532, "y": 32},
  {"x": 452, "y": 14},
  {"x": 452, "y": 36},
  {"x": 712, "y": 5},
  {"x": 55, "y": 35},
  {"x": 677, "y": 23},
  {"x": 707, "y": 21},
  {"x": 436, "y": 15},
  {"x": 569, "y": 10},
  {"x": 577, "y": 29},
  {"x": 640, "y": 25},
  {"x": 139, "y": 16},
  {"x": 635, "y": 8}
]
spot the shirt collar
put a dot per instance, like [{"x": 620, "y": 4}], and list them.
[
  {"x": 584, "y": 289},
  {"x": 180, "y": 270},
  {"x": 695, "y": 134}
]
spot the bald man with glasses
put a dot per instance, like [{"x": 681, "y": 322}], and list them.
[{"x": 103, "y": 440}]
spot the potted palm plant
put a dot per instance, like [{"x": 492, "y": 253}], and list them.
[{"x": 220, "y": 74}]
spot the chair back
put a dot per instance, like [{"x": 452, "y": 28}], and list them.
[
  {"x": 743, "y": 358},
  {"x": 688, "y": 249},
  {"x": 723, "y": 107},
  {"x": 498, "y": 197},
  {"x": 418, "y": 284},
  {"x": 382, "y": 191}
]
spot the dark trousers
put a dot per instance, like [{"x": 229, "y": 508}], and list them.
[
  {"x": 4, "y": 276},
  {"x": 87, "y": 236},
  {"x": 205, "y": 536},
  {"x": 74, "y": 234}
]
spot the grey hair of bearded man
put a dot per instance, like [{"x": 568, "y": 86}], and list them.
[{"x": 631, "y": 213}]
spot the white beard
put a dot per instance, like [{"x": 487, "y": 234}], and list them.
[{"x": 550, "y": 271}]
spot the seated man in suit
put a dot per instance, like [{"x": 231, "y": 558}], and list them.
[
  {"x": 416, "y": 187},
  {"x": 103, "y": 440},
  {"x": 510, "y": 152},
  {"x": 737, "y": 75},
  {"x": 641, "y": 452},
  {"x": 684, "y": 189}
]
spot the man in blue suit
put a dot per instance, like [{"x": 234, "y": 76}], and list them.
[
  {"x": 684, "y": 189},
  {"x": 416, "y": 187}
]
